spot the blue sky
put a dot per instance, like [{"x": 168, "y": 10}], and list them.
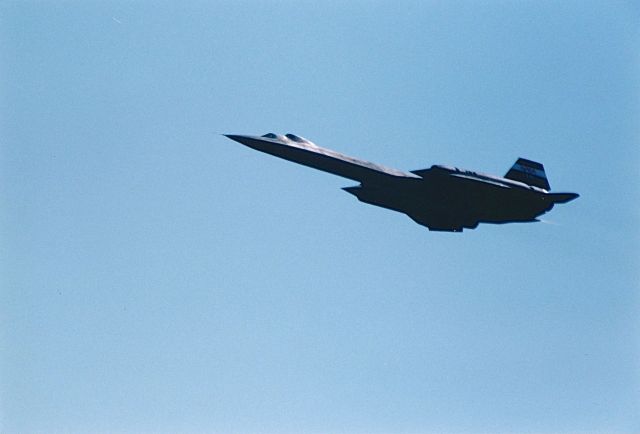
[{"x": 157, "y": 277}]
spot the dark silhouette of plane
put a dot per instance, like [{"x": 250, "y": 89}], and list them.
[{"x": 442, "y": 198}]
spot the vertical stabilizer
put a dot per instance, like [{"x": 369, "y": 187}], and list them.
[{"x": 529, "y": 172}]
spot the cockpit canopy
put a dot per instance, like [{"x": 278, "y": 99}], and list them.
[
  {"x": 296, "y": 138},
  {"x": 288, "y": 137}
]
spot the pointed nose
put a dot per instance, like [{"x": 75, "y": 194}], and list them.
[
  {"x": 234, "y": 137},
  {"x": 255, "y": 142},
  {"x": 250, "y": 141}
]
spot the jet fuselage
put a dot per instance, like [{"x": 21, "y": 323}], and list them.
[{"x": 441, "y": 198}]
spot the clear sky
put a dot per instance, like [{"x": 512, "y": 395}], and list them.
[{"x": 157, "y": 277}]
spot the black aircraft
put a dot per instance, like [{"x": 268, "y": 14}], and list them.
[{"x": 442, "y": 198}]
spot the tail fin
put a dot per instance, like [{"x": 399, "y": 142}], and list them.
[{"x": 529, "y": 172}]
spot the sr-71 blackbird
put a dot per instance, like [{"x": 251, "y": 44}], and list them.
[{"x": 442, "y": 198}]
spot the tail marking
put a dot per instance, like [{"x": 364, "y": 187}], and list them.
[{"x": 529, "y": 172}]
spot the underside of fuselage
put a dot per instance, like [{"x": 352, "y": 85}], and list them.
[{"x": 443, "y": 205}]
